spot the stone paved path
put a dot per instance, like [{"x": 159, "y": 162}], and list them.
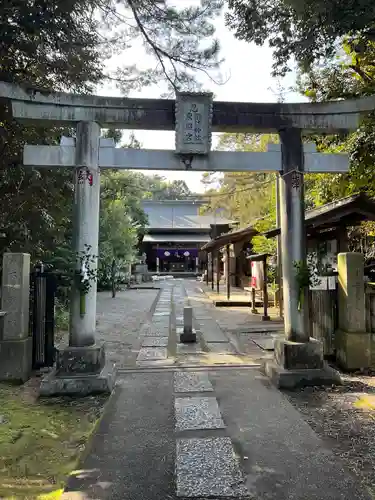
[{"x": 199, "y": 421}]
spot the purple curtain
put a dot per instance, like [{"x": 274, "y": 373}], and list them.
[{"x": 165, "y": 253}]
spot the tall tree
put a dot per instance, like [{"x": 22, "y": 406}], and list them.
[
  {"x": 352, "y": 74},
  {"x": 63, "y": 45},
  {"x": 179, "y": 39},
  {"x": 246, "y": 197},
  {"x": 50, "y": 44},
  {"x": 304, "y": 30}
]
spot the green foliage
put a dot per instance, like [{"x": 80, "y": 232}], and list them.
[
  {"x": 65, "y": 46},
  {"x": 305, "y": 30},
  {"x": 157, "y": 188},
  {"x": 351, "y": 75},
  {"x": 248, "y": 198},
  {"x": 179, "y": 39}
]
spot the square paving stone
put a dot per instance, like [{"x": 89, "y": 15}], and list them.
[
  {"x": 155, "y": 342},
  {"x": 207, "y": 468},
  {"x": 160, "y": 324},
  {"x": 192, "y": 382},
  {"x": 197, "y": 413},
  {"x": 159, "y": 332},
  {"x": 147, "y": 353},
  {"x": 188, "y": 349}
]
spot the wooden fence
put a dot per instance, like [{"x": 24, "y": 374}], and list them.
[
  {"x": 370, "y": 309},
  {"x": 323, "y": 310},
  {"x": 323, "y": 318}
]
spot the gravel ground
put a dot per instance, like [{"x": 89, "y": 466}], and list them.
[
  {"x": 344, "y": 418},
  {"x": 119, "y": 323}
]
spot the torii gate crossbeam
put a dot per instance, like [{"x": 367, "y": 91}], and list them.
[{"x": 154, "y": 159}]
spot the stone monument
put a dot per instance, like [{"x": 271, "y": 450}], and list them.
[
  {"x": 15, "y": 341},
  {"x": 353, "y": 343}
]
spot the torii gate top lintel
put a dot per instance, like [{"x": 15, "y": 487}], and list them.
[
  {"x": 30, "y": 104},
  {"x": 193, "y": 117}
]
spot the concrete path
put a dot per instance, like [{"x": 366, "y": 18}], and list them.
[{"x": 201, "y": 422}]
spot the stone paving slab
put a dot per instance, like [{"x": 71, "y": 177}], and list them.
[
  {"x": 132, "y": 453},
  {"x": 213, "y": 333},
  {"x": 155, "y": 342},
  {"x": 219, "y": 471},
  {"x": 197, "y": 413},
  {"x": 188, "y": 348},
  {"x": 160, "y": 332},
  {"x": 192, "y": 382},
  {"x": 221, "y": 347},
  {"x": 148, "y": 353}
]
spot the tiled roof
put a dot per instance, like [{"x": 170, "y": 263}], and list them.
[{"x": 180, "y": 215}]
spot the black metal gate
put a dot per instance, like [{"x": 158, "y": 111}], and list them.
[{"x": 42, "y": 316}]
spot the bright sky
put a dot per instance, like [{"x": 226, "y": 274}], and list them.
[{"x": 248, "y": 68}]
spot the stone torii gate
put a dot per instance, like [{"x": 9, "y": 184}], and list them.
[{"x": 193, "y": 117}]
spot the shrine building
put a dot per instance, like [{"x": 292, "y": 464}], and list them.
[{"x": 176, "y": 232}]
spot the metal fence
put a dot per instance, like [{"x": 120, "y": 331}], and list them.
[{"x": 42, "y": 316}]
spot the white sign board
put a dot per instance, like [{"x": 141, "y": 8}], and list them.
[{"x": 193, "y": 123}]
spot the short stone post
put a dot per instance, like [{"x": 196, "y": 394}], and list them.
[
  {"x": 353, "y": 343},
  {"x": 15, "y": 342},
  {"x": 298, "y": 359},
  {"x": 188, "y": 335},
  {"x": 80, "y": 368}
]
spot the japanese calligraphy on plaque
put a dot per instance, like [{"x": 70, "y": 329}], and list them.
[
  {"x": 297, "y": 179},
  {"x": 84, "y": 175},
  {"x": 193, "y": 123}
]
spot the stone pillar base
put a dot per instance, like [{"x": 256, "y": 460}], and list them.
[
  {"x": 353, "y": 350},
  {"x": 79, "y": 371},
  {"x": 16, "y": 360},
  {"x": 297, "y": 365}
]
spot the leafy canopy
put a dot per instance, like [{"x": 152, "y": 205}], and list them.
[
  {"x": 249, "y": 198},
  {"x": 304, "y": 30}
]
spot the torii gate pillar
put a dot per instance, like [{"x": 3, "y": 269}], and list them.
[
  {"x": 80, "y": 368},
  {"x": 85, "y": 234},
  {"x": 292, "y": 215},
  {"x": 298, "y": 359}
]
